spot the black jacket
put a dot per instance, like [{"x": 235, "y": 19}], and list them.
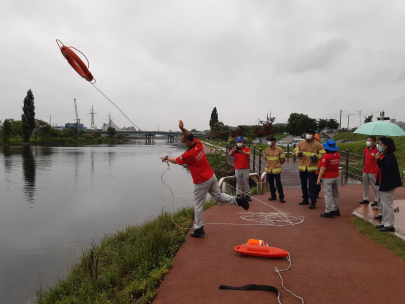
[{"x": 388, "y": 177}]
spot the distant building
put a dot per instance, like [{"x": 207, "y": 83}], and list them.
[
  {"x": 76, "y": 125},
  {"x": 110, "y": 124},
  {"x": 59, "y": 127}
]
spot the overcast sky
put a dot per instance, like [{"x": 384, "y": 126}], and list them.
[{"x": 161, "y": 61}]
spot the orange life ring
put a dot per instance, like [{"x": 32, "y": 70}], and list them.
[
  {"x": 261, "y": 251},
  {"x": 76, "y": 63}
]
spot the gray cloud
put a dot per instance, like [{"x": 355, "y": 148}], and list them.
[{"x": 321, "y": 55}]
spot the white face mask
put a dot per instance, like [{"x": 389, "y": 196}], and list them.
[
  {"x": 368, "y": 143},
  {"x": 308, "y": 136},
  {"x": 269, "y": 143},
  {"x": 239, "y": 144}
]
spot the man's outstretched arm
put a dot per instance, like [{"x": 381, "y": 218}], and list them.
[{"x": 181, "y": 126}]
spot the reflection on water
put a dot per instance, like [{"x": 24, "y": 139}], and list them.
[{"x": 29, "y": 168}]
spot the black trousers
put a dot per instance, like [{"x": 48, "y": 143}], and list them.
[
  {"x": 270, "y": 179},
  {"x": 313, "y": 192}
]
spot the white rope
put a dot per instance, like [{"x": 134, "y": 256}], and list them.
[{"x": 282, "y": 282}]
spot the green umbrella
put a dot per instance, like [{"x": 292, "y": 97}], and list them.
[{"x": 380, "y": 127}]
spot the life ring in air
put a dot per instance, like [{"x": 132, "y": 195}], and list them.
[{"x": 76, "y": 63}]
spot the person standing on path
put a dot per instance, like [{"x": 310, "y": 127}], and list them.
[
  {"x": 370, "y": 170},
  {"x": 275, "y": 157},
  {"x": 318, "y": 187},
  {"x": 241, "y": 154},
  {"x": 204, "y": 179},
  {"x": 309, "y": 151},
  {"x": 330, "y": 174},
  {"x": 388, "y": 178}
]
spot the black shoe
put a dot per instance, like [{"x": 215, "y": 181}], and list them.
[
  {"x": 375, "y": 204},
  {"x": 282, "y": 200},
  {"x": 272, "y": 198},
  {"x": 198, "y": 232},
  {"x": 242, "y": 202},
  {"x": 386, "y": 229},
  {"x": 364, "y": 202},
  {"x": 335, "y": 212},
  {"x": 312, "y": 206},
  {"x": 304, "y": 203},
  {"x": 378, "y": 217},
  {"x": 326, "y": 214},
  {"x": 248, "y": 198},
  {"x": 379, "y": 226}
]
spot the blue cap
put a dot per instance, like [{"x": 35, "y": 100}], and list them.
[
  {"x": 239, "y": 138},
  {"x": 330, "y": 145}
]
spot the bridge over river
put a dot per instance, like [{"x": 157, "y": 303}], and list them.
[{"x": 149, "y": 135}]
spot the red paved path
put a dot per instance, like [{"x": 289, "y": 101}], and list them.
[{"x": 331, "y": 261}]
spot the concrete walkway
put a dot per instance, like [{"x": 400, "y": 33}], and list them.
[{"x": 331, "y": 261}]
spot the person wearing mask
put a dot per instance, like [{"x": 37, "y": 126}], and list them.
[
  {"x": 370, "y": 171},
  {"x": 204, "y": 179},
  {"x": 241, "y": 154},
  {"x": 329, "y": 173},
  {"x": 309, "y": 151},
  {"x": 389, "y": 179},
  {"x": 275, "y": 157}
]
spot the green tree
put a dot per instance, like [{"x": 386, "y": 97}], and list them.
[
  {"x": 332, "y": 124},
  {"x": 297, "y": 123},
  {"x": 220, "y": 131},
  {"x": 111, "y": 132},
  {"x": 214, "y": 117},
  {"x": 6, "y": 131},
  {"x": 368, "y": 118},
  {"x": 322, "y": 123},
  {"x": 17, "y": 128},
  {"x": 28, "y": 116}
]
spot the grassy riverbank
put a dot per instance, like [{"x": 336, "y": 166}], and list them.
[{"x": 126, "y": 267}]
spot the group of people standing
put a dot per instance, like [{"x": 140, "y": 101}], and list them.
[
  {"x": 317, "y": 162},
  {"x": 382, "y": 174},
  {"x": 320, "y": 163}
]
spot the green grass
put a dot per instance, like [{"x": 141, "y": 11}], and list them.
[
  {"x": 387, "y": 240},
  {"x": 219, "y": 164},
  {"x": 350, "y": 135},
  {"x": 126, "y": 267}
]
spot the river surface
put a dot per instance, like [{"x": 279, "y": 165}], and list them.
[{"x": 56, "y": 201}]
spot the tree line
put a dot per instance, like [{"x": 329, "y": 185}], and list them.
[
  {"x": 296, "y": 125},
  {"x": 29, "y": 128}
]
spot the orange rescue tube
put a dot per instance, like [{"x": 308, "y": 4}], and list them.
[{"x": 261, "y": 251}]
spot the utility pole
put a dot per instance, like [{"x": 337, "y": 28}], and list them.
[
  {"x": 348, "y": 116},
  {"x": 359, "y": 116},
  {"x": 93, "y": 127},
  {"x": 50, "y": 120},
  {"x": 340, "y": 124},
  {"x": 77, "y": 116}
]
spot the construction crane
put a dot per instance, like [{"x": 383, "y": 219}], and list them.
[{"x": 77, "y": 115}]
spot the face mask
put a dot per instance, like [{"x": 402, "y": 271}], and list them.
[
  {"x": 368, "y": 143},
  {"x": 239, "y": 144},
  {"x": 308, "y": 136},
  {"x": 380, "y": 148},
  {"x": 269, "y": 143}
]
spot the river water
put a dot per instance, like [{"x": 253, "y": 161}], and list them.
[{"x": 55, "y": 201}]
